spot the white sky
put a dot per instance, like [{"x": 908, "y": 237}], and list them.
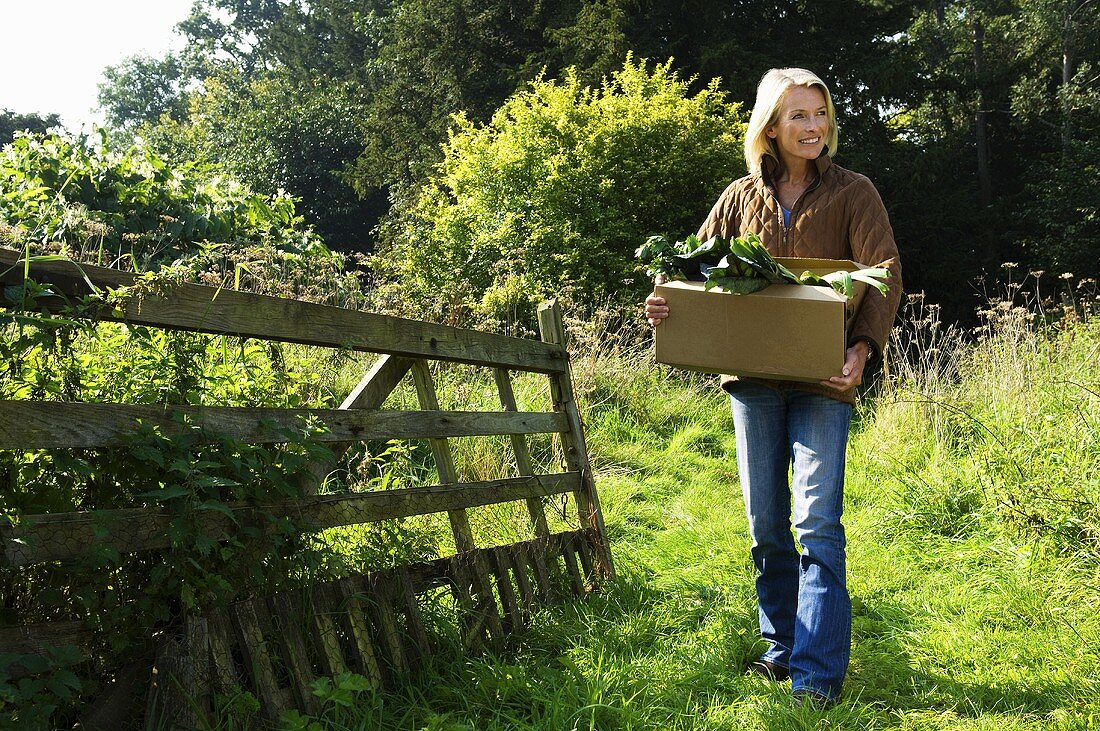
[{"x": 53, "y": 52}]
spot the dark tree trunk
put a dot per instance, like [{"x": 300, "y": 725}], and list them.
[
  {"x": 1069, "y": 70},
  {"x": 981, "y": 117}
]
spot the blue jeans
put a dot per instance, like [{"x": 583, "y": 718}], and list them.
[{"x": 805, "y": 611}]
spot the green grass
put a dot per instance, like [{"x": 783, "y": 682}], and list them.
[{"x": 972, "y": 515}]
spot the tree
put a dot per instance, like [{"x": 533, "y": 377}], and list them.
[
  {"x": 231, "y": 33},
  {"x": 12, "y": 122},
  {"x": 282, "y": 137},
  {"x": 560, "y": 187},
  {"x": 141, "y": 89},
  {"x": 1056, "y": 105},
  {"x": 994, "y": 139}
]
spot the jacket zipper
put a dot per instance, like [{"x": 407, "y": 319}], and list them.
[
  {"x": 794, "y": 209},
  {"x": 782, "y": 226}
]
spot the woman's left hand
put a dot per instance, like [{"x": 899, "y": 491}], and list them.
[{"x": 855, "y": 360}]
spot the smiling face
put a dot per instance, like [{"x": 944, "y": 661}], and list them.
[{"x": 802, "y": 126}]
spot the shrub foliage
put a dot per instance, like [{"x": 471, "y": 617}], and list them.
[{"x": 560, "y": 187}]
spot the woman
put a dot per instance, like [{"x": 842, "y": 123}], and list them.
[{"x": 802, "y": 205}]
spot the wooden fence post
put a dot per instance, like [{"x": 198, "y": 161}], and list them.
[
  {"x": 519, "y": 447},
  {"x": 441, "y": 451},
  {"x": 460, "y": 520},
  {"x": 552, "y": 330}
]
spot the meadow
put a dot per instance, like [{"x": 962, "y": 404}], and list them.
[{"x": 972, "y": 512}]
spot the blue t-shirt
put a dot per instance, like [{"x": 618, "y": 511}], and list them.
[{"x": 786, "y": 216}]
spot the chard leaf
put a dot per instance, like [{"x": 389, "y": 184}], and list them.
[
  {"x": 737, "y": 285},
  {"x": 812, "y": 279}
]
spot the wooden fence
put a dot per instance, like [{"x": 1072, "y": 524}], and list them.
[{"x": 373, "y": 624}]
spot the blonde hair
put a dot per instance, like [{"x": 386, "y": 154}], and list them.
[{"x": 765, "y": 113}]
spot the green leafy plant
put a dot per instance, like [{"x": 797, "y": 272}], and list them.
[
  {"x": 33, "y": 686},
  {"x": 339, "y": 697},
  {"x": 744, "y": 265}
]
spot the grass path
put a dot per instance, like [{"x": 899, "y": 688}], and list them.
[{"x": 974, "y": 631}]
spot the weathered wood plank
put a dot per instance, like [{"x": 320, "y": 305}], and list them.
[
  {"x": 35, "y": 639},
  {"x": 501, "y": 564},
  {"x": 350, "y": 610},
  {"x": 198, "y": 668},
  {"x": 176, "y": 698},
  {"x": 520, "y": 567},
  {"x": 56, "y": 425},
  {"x": 572, "y": 569},
  {"x": 427, "y": 575},
  {"x": 530, "y": 552},
  {"x": 573, "y": 443},
  {"x": 519, "y": 449},
  {"x": 378, "y": 590},
  {"x": 379, "y": 382},
  {"x": 222, "y": 311},
  {"x": 61, "y": 536},
  {"x": 536, "y": 556},
  {"x": 421, "y": 645},
  {"x": 288, "y": 622},
  {"x": 441, "y": 452},
  {"x": 221, "y": 640},
  {"x": 472, "y": 635},
  {"x": 487, "y": 609},
  {"x": 158, "y": 698},
  {"x": 326, "y": 607},
  {"x": 583, "y": 545},
  {"x": 248, "y": 615},
  {"x": 353, "y": 613}
]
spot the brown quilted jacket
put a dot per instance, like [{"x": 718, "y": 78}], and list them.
[{"x": 840, "y": 216}]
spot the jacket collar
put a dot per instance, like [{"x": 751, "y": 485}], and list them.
[{"x": 769, "y": 166}]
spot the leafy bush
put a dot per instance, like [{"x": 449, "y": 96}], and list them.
[{"x": 560, "y": 188}]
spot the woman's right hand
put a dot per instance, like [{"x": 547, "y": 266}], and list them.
[{"x": 655, "y": 307}]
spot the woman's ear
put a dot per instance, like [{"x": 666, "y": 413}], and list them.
[{"x": 770, "y": 132}]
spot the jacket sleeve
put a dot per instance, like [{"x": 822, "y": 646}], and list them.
[
  {"x": 872, "y": 244},
  {"x": 724, "y": 218}
]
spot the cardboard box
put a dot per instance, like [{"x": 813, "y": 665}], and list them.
[{"x": 787, "y": 331}]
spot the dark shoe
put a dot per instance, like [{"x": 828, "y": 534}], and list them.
[
  {"x": 768, "y": 669},
  {"x": 804, "y": 697}
]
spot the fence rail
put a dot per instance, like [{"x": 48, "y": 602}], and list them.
[
  {"x": 55, "y": 425},
  {"x": 66, "y": 536},
  {"x": 198, "y": 308}
]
